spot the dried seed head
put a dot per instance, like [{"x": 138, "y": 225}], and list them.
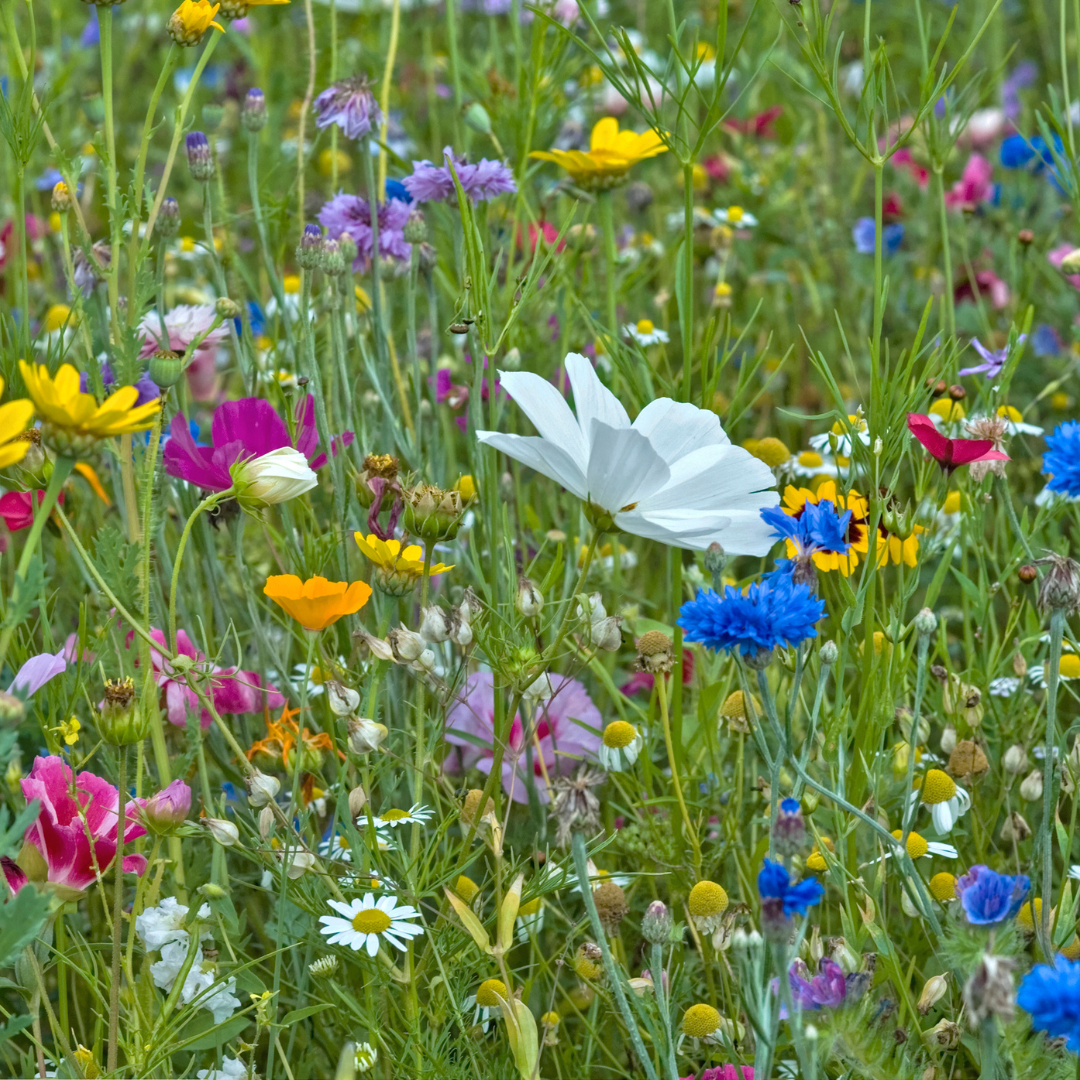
[
  {"x": 988, "y": 994},
  {"x": 1060, "y": 588},
  {"x": 968, "y": 759},
  {"x": 655, "y": 653},
  {"x": 575, "y": 807},
  {"x": 611, "y": 906}
]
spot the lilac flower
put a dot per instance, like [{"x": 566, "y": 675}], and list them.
[
  {"x": 148, "y": 390},
  {"x": 1022, "y": 75},
  {"x": 993, "y": 360},
  {"x": 351, "y": 105},
  {"x": 36, "y": 672},
  {"x": 989, "y": 897},
  {"x": 829, "y": 988},
  {"x": 351, "y": 214},
  {"x": 481, "y": 181}
]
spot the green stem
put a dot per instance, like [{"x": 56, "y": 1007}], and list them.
[
  {"x": 675, "y": 763},
  {"x": 105, "y": 20},
  {"x": 656, "y": 970},
  {"x": 946, "y": 254},
  {"x": 1044, "y": 840},
  {"x": 209, "y": 501},
  {"x": 118, "y": 902},
  {"x": 879, "y": 307},
  {"x": 607, "y": 227},
  {"x": 614, "y": 974},
  {"x": 686, "y": 301}
]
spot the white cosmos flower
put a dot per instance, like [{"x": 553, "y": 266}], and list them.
[
  {"x": 367, "y": 921},
  {"x": 672, "y": 475},
  {"x": 231, "y": 1069},
  {"x": 276, "y": 477}
]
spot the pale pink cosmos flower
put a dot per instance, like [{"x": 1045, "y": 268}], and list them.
[
  {"x": 974, "y": 186},
  {"x": 183, "y": 324},
  {"x": 564, "y": 743}
]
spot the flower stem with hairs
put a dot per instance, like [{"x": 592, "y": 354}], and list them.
[
  {"x": 118, "y": 900},
  {"x": 1044, "y": 840}
]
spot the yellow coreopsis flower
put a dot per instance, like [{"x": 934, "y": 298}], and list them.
[
  {"x": 191, "y": 20},
  {"x": 397, "y": 569},
  {"x": 611, "y": 154},
  {"x": 14, "y": 420},
  {"x": 73, "y": 421}
]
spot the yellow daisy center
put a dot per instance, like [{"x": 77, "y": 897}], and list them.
[
  {"x": 618, "y": 734},
  {"x": 951, "y": 505},
  {"x": 772, "y": 451},
  {"x": 187, "y": 244},
  {"x": 1008, "y": 412},
  {"x": 943, "y": 887},
  {"x": 1069, "y": 666},
  {"x": 1060, "y": 401},
  {"x": 735, "y": 214},
  {"x": 291, "y": 283},
  {"x": 809, "y": 459},
  {"x": 372, "y": 921},
  {"x": 531, "y": 907},
  {"x": 55, "y": 317},
  {"x": 734, "y": 707},
  {"x": 815, "y": 860},
  {"x": 700, "y": 1021},
  {"x": 706, "y": 899},
  {"x": 645, "y": 326},
  {"x": 1072, "y": 950},
  {"x": 938, "y": 787},
  {"x": 916, "y": 845},
  {"x": 948, "y": 409},
  {"x": 1026, "y": 919},
  {"x": 394, "y": 815},
  {"x": 722, "y": 289},
  {"x": 485, "y": 994}
]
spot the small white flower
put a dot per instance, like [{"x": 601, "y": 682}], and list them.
[
  {"x": 812, "y": 463},
  {"x": 645, "y": 333},
  {"x": 417, "y": 814},
  {"x": 736, "y": 216},
  {"x": 839, "y": 432},
  {"x": 620, "y": 746},
  {"x": 366, "y": 1056},
  {"x": 1015, "y": 421},
  {"x": 1005, "y": 686},
  {"x": 367, "y": 921},
  {"x": 540, "y": 689},
  {"x": 157, "y": 926},
  {"x": 947, "y": 801},
  {"x": 231, "y": 1069}
]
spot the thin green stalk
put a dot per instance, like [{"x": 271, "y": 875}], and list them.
[
  {"x": 614, "y": 974},
  {"x": 686, "y": 305},
  {"x": 675, "y": 762},
  {"x": 946, "y": 255},
  {"x": 879, "y": 306},
  {"x": 206, "y": 504},
  {"x": 607, "y": 227},
  {"x": 656, "y": 970},
  {"x": 1044, "y": 839},
  {"x": 118, "y": 900},
  {"x": 105, "y": 28}
]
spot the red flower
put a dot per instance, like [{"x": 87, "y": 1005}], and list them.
[
  {"x": 763, "y": 126},
  {"x": 78, "y": 823},
  {"x": 951, "y": 453},
  {"x": 15, "y": 509}
]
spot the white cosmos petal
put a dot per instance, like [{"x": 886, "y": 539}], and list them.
[
  {"x": 543, "y": 456},
  {"x": 682, "y": 530},
  {"x": 372, "y": 944},
  {"x": 592, "y": 399},
  {"x": 712, "y": 476},
  {"x": 542, "y": 403},
  {"x": 623, "y": 467},
  {"x": 677, "y": 428}
]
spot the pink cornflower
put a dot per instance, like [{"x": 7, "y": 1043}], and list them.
[{"x": 974, "y": 186}]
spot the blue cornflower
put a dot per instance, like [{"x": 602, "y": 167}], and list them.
[
  {"x": 1046, "y": 341},
  {"x": 774, "y": 884},
  {"x": 773, "y": 611},
  {"x": 1062, "y": 458},
  {"x": 1018, "y": 152},
  {"x": 818, "y": 528},
  {"x": 862, "y": 232},
  {"x": 1052, "y": 996},
  {"x": 989, "y": 897}
]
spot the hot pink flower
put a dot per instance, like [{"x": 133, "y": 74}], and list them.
[
  {"x": 904, "y": 159},
  {"x": 974, "y": 186},
  {"x": 726, "y": 1072},
  {"x": 234, "y": 691},
  {"x": 16, "y": 508},
  {"x": 470, "y": 725},
  {"x": 1057, "y": 256},
  {"x": 988, "y": 284},
  {"x": 77, "y": 824}
]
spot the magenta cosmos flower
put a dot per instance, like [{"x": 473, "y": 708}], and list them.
[
  {"x": 564, "y": 742},
  {"x": 78, "y": 823},
  {"x": 480, "y": 181},
  {"x": 241, "y": 429},
  {"x": 234, "y": 691}
]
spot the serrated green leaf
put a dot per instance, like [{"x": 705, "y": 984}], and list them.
[{"x": 23, "y": 918}]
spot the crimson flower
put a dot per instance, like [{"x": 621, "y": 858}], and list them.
[
  {"x": 16, "y": 508},
  {"x": 951, "y": 453}
]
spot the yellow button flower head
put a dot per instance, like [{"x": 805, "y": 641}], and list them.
[
  {"x": 611, "y": 154},
  {"x": 489, "y": 992},
  {"x": 917, "y": 847},
  {"x": 14, "y": 419},
  {"x": 191, "y": 20},
  {"x": 700, "y": 1021},
  {"x": 397, "y": 570},
  {"x": 943, "y": 887},
  {"x": 707, "y": 903},
  {"x": 72, "y": 422},
  {"x": 316, "y": 603}
]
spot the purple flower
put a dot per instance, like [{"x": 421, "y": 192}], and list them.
[
  {"x": 993, "y": 360},
  {"x": 36, "y": 672},
  {"x": 481, "y": 181},
  {"x": 146, "y": 386},
  {"x": 989, "y": 897},
  {"x": 1022, "y": 75},
  {"x": 829, "y": 988},
  {"x": 351, "y": 105},
  {"x": 351, "y": 214},
  {"x": 246, "y": 428}
]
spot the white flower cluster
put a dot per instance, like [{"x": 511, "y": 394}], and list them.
[{"x": 161, "y": 928}]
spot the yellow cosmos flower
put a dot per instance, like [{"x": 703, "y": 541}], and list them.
[
  {"x": 611, "y": 154},
  {"x": 14, "y": 420},
  {"x": 191, "y": 20},
  {"x": 71, "y": 420}
]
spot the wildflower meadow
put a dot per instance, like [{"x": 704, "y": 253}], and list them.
[{"x": 540, "y": 539}]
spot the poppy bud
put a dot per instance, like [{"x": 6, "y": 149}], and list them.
[{"x": 165, "y": 367}]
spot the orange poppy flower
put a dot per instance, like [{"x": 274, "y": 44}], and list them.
[
  {"x": 282, "y": 735},
  {"x": 316, "y": 603}
]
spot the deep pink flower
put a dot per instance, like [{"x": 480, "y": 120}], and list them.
[
  {"x": 761, "y": 126},
  {"x": 725, "y": 1072},
  {"x": 470, "y": 725},
  {"x": 240, "y": 429},
  {"x": 951, "y": 453},
  {"x": 988, "y": 284},
  {"x": 904, "y": 159},
  {"x": 16, "y": 508},
  {"x": 77, "y": 825},
  {"x": 13, "y": 873},
  {"x": 234, "y": 691},
  {"x": 1056, "y": 257},
  {"x": 974, "y": 186},
  {"x": 169, "y": 807}
]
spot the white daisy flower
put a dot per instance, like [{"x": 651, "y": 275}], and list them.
[
  {"x": 736, "y": 216},
  {"x": 1074, "y": 871},
  {"x": 417, "y": 814},
  {"x": 1015, "y": 420},
  {"x": 920, "y": 848},
  {"x": 672, "y": 475},
  {"x": 366, "y": 1056},
  {"x": 231, "y": 1069},
  {"x": 839, "y": 432},
  {"x": 645, "y": 333},
  {"x": 812, "y": 463},
  {"x": 1046, "y": 496},
  {"x": 947, "y": 801},
  {"x": 337, "y": 847},
  {"x": 620, "y": 746},
  {"x": 367, "y": 922}
]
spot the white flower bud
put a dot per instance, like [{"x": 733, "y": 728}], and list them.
[
  {"x": 224, "y": 832},
  {"x": 301, "y": 862},
  {"x": 462, "y": 633},
  {"x": 276, "y": 477},
  {"x": 1031, "y": 787},
  {"x": 529, "y": 600},
  {"x": 606, "y": 634},
  {"x": 595, "y": 612},
  {"x": 948, "y": 739},
  {"x": 405, "y": 645},
  {"x": 365, "y": 735},
  {"x": 262, "y": 789},
  {"x": 357, "y": 801},
  {"x": 1014, "y": 760},
  {"x": 266, "y": 821},
  {"x": 539, "y": 689},
  {"x": 469, "y": 607},
  {"x": 932, "y": 992},
  {"x": 436, "y": 624},
  {"x": 376, "y": 647},
  {"x": 343, "y": 699}
]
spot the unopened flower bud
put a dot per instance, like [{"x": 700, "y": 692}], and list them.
[
  {"x": 331, "y": 261},
  {"x": 307, "y": 251},
  {"x": 266, "y": 822},
  {"x": 61, "y": 197},
  {"x": 405, "y": 645},
  {"x": 1026, "y": 237},
  {"x": 343, "y": 699},
  {"x": 1031, "y": 787},
  {"x": 529, "y": 600},
  {"x": 606, "y": 634},
  {"x": 224, "y": 832},
  {"x": 988, "y": 993},
  {"x": 461, "y": 634},
  {"x": 365, "y": 735},
  {"x": 262, "y": 789},
  {"x": 1015, "y": 829},
  {"x": 1071, "y": 263},
  {"x": 540, "y": 689},
  {"x": 168, "y": 220},
  {"x": 357, "y": 801},
  {"x": 165, "y": 367},
  {"x": 1015, "y": 759},
  {"x": 944, "y": 1035},
  {"x": 436, "y": 624},
  {"x": 253, "y": 113},
  {"x": 1027, "y": 573},
  {"x": 469, "y": 607},
  {"x": 476, "y": 117},
  {"x": 226, "y": 308},
  {"x": 415, "y": 230},
  {"x": 948, "y": 739},
  {"x": 121, "y": 720},
  {"x": 789, "y": 834},
  {"x": 925, "y": 623},
  {"x": 829, "y": 653},
  {"x": 932, "y": 992},
  {"x": 200, "y": 158},
  {"x": 426, "y": 660},
  {"x": 656, "y": 923},
  {"x": 347, "y": 246},
  {"x": 167, "y": 809},
  {"x": 1060, "y": 588}
]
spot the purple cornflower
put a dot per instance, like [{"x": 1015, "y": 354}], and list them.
[
  {"x": 993, "y": 359},
  {"x": 1022, "y": 75},
  {"x": 830, "y": 988},
  {"x": 146, "y": 386},
  {"x": 351, "y": 105},
  {"x": 351, "y": 214},
  {"x": 241, "y": 429},
  {"x": 989, "y": 897},
  {"x": 483, "y": 180}
]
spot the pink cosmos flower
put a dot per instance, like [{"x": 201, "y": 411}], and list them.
[
  {"x": 78, "y": 823},
  {"x": 470, "y": 725},
  {"x": 183, "y": 325},
  {"x": 1057, "y": 256},
  {"x": 37, "y": 671},
  {"x": 235, "y": 691},
  {"x": 904, "y": 159},
  {"x": 974, "y": 186},
  {"x": 16, "y": 508}
]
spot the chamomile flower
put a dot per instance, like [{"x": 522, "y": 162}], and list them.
[
  {"x": 417, "y": 814},
  {"x": 947, "y": 801},
  {"x": 920, "y": 848},
  {"x": 620, "y": 746},
  {"x": 1015, "y": 421},
  {"x": 367, "y": 923},
  {"x": 736, "y": 216},
  {"x": 1005, "y": 686},
  {"x": 838, "y": 437},
  {"x": 337, "y": 847},
  {"x": 812, "y": 463},
  {"x": 644, "y": 332}
]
